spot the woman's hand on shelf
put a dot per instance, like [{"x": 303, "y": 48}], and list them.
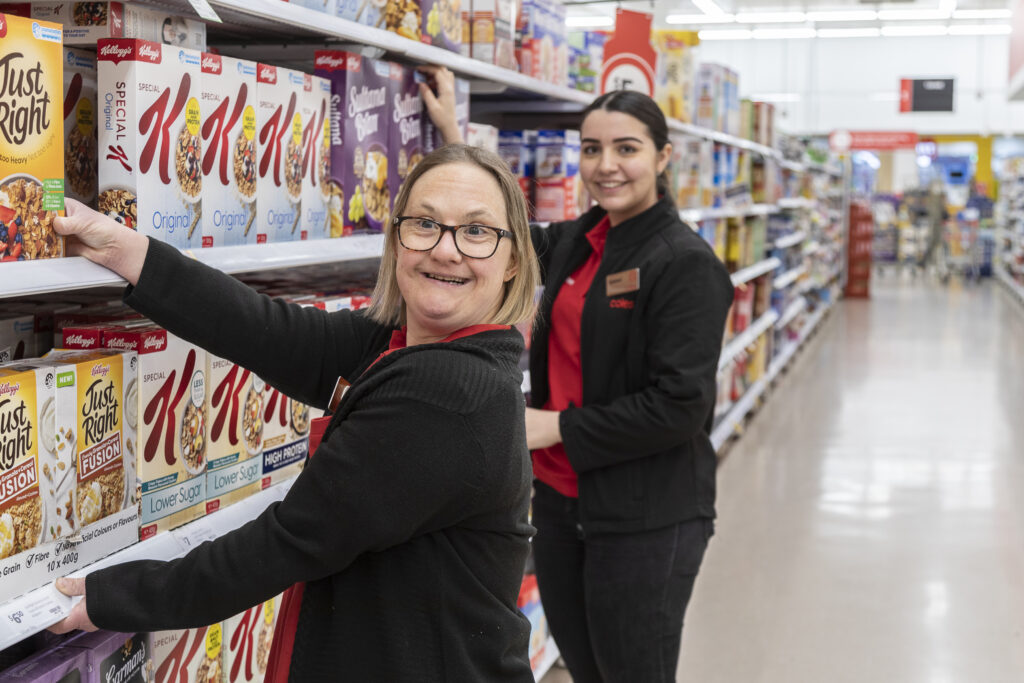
[
  {"x": 102, "y": 240},
  {"x": 441, "y": 107},
  {"x": 78, "y": 620},
  {"x": 542, "y": 428}
]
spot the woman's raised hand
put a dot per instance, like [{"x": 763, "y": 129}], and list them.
[
  {"x": 102, "y": 240},
  {"x": 441, "y": 107}
]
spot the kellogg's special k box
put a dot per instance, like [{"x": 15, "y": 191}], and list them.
[
  {"x": 149, "y": 139},
  {"x": 80, "y": 125},
  {"x": 188, "y": 656},
  {"x": 247, "y": 641},
  {"x": 279, "y": 128},
  {"x": 227, "y": 107},
  {"x": 286, "y": 425},
  {"x": 316, "y": 157},
  {"x": 234, "y": 468}
]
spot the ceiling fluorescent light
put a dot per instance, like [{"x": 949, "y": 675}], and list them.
[
  {"x": 736, "y": 34},
  {"x": 783, "y": 33},
  {"x": 589, "y": 22},
  {"x": 980, "y": 30},
  {"x": 982, "y": 14},
  {"x": 700, "y": 19},
  {"x": 912, "y": 14},
  {"x": 770, "y": 17},
  {"x": 852, "y": 15},
  {"x": 947, "y": 6},
  {"x": 776, "y": 97},
  {"x": 884, "y": 97},
  {"x": 903, "y": 31},
  {"x": 848, "y": 33},
  {"x": 708, "y": 7}
]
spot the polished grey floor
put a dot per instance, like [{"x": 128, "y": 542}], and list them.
[{"x": 872, "y": 517}]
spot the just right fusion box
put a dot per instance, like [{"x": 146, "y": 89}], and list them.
[{"x": 150, "y": 177}]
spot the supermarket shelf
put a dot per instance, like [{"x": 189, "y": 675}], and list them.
[
  {"x": 797, "y": 203},
  {"x": 551, "y": 655},
  {"x": 732, "y": 140},
  {"x": 792, "y": 166},
  {"x": 55, "y": 275},
  {"x": 1012, "y": 285},
  {"x": 794, "y": 309},
  {"x": 823, "y": 168},
  {"x": 38, "y": 609},
  {"x": 813, "y": 248},
  {"x": 747, "y": 337},
  {"x": 697, "y": 215},
  {"x": 790, "y": 240},
  {"x": 756, "y": 270},
  {"x": 789, "y": 277}
]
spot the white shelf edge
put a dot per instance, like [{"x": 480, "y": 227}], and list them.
[
  {"x": 790, "y": 240},
  {"x": 789, "y": 277},
  {"x": 551, "y": 655},
  {"x": 1015, "y": 288},
  {"x": 747, "y": 337},
  {"x": 791, "y": 312},
  {"x": 750, "y": 272},
  {"x": 724, "y": 138},
  {"x": 793, "y": 165},
  {"x": 697, "y": 215},
  {"x": 796, "y": 203}
]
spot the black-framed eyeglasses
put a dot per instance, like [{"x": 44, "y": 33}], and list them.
[{"x": 473, "y": 241}]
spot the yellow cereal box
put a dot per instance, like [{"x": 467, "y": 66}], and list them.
[
  {"x": 23, "y": 513},
  {"x": 31, "y": 139},
  {"x": 234, "y": 464}
]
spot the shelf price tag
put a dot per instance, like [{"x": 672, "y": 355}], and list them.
[
  {"x": 195, "y": 534},
  {"x": 31, "y": 613},
  {"x": 204, "y": 10}
]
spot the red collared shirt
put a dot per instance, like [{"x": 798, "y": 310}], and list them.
[{"x": 565, "y": 374}]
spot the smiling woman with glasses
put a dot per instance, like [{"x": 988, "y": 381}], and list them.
[{"x": 409, "y": 525}]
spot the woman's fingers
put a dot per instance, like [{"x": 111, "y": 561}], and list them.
[
  {"x": 70, "y": 587},
  {"x": 78, "y": 620}
]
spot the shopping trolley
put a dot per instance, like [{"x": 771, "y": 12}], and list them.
[{"x": 961, "y": 248}]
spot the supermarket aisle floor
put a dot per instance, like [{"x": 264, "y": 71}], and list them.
[{"x": 871, "y": 518}]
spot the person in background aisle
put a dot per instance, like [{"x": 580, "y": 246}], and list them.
[
  {"x": 932, "y": 210},
  {"x": 623, "y": 369},
  {"x": 409, "y": 525}
]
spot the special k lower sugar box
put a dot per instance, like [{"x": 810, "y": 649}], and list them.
[
  {"x": 227, "y": 107},
  {"x": 316, "y": 157},
  {"x": 171, "y": 408},
  {"x": 234, "y": 468},
  {"x": 247, "y": 641},
  {"x": 279, "y": 94},
  {"x": 285, "y": 436},
  {"x": 80, "y": 125},
  {"x": 149, "y": 139},
  {"x": 31, "y": 139},
  {"x": 192, "y": 655}
]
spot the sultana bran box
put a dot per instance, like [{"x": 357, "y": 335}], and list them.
[{"x": 31, "y": 139}]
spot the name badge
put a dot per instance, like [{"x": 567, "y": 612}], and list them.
[
  {"x": 622, "y": 282},
  {"x": 339, "y": 391}
]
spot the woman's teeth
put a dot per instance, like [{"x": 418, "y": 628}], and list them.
[{"x": 449, "y": 279}]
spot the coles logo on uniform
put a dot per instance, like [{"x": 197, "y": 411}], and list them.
[
  {"x": 268, "y": 74},
  {"x": 622, "y": 303},
  {"x": 212, "y": 64}
]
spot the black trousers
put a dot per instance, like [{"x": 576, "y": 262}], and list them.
[{"x": 614, "y": 602}]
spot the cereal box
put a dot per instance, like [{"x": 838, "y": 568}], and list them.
[
  {"x": 85, "y": 23},
  {"x": 149, "y": 168},
  {"x": 247, "y": 641},
  {"x": 516, "y": 147},
  {"x": 330, "y": 64},
  {"x": 17, "y": 338},
  {"x": 558, "y": 188},
  {"x": 483, "y": 136},
  {"x": 279, "y": 130},
  {"x": 59, "y": 665},
  {"x": 227, "y": 108},
  {"x": 285, "y": 435},
  {"x": 171, "y": 408},
  {"x": 710, "y": 100},
  {"x": 406, "y": 147},
  {"x": 431, "y": 135},
  {"x": 544, "y": 51},
  {"x": 80, "y": 125},
  {"x": 442, "y": 23},
  {"x": 586, "y": 57},
  {"x": 675, "y": 78},
  {"x": 192, "y": 655},
  {"x": 326, "y": 6},
  {"x": 234, "y": 467},
  {"x": 316, "y": 157},
  {"x": 31, "y": 139},
  {"x": 121, "y": 657},
  {"x": 494, "y": 26}
]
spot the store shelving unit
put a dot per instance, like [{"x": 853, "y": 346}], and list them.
[
  {"x": 698, "y": 215},
  {"x": 754, "y": 271},
  {"x": 790, "y": 240},
  {"x": 747, "y": 337},
  {"x": 789, "y": 277}
]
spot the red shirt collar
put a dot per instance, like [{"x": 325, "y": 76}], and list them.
[
  {"x": 399, "y": 338},
  {"x": 598, "y": 235}
]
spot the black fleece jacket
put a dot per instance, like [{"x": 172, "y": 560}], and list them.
[
  {"x": 410, "y": 523},
  {"x": 640, "y": 442}
]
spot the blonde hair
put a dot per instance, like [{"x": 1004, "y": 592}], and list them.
[{"x": 388, "y": 307}]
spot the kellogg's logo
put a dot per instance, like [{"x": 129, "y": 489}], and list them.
[
  {"x": 120, "y": 343},
  {"x": 150, "y": 52},
  {"x": 268, "y": 74},
  {"x": 8, "y": 388},
  {"x": 116, "y": 20},
  {"x": 330, "y": 61},
  {"x": 100, "y": 370},
  {"x": 212, "y": 64},
  {"x": 78, "y": 341},
  {"x": 154, "y": 343},
  {"x": 116, "y": 51}
]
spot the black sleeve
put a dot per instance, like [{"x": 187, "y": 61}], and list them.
[
  {"x": 299, "y": 350},
  {"x": 684, "y": 320},
  {"x": 369, "y": 487},
  {"x": 544, "y": 241}
]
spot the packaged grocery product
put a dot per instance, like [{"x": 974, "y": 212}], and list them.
[
  {"x": 731, "y": 102},
  {"x": 517, "y": 148},
  {"x": 121, "y": 657},
  {"x": 710, "y": 96},
  {"x": 466, "y": 49},
  {"x": 170, "y": 407},
  {"x": 316, "y": 157},
  {"x": 558, "y": 189},
  {"x": 31, "y": 139},
  {"x": 529, "y": 604},
  {"x": 192, "y": 655},
  {"x": 234, "y": 469},
  {"x": 406, "y": 146},
  {"x": 405, "y": 17},
  {"x": 279, "y": 125},
  {"x": 150, "y": 175},
  {"x": 85, "y": 337},
  {"x": 494, "y": 32},
  {"x": 57, "y": 665},
  {"x": 483, "y": 136},
  {"x": 247, "y": 640},
  {"x": 675, "y": 77},
  {"x": 326, "y": 6},
  {"x": 431, "y": 135},
  {"x": 586, "y": 56},
  {"x": 764, "y": 123},
  {"x": 442, "y": 23},
  {"x": 80, "y": 125},
  {"x": 746, "y": 119},
  {"x": 227, "y": 109},
  {"x": 17, "y": 338},
  {"x": 367, "y": 12},
  {"x": 86, "y": 23},
  {"x": 285, "y": 436},
  {"x": 544, "y": 51},
  {"x": 361, "y": 93}
]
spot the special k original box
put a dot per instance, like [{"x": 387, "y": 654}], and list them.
[
  {"x": 31, "y": 139},
  {"x": 279, "y": 127},
  {"x": 80, "y": 125},
  {"x": 247, "y": 641},
  {"x": 227, "y": 107},
  {"x": 192, "y": 655},
  {"x": 234, "y": 468},
  {"x": 406, "y": 147},
  {"x": 316, "y": 157},
  {"x": 285, "y": 436},
  {"x": 171, "y": 408},
  {"x": 149, "y": 138}
]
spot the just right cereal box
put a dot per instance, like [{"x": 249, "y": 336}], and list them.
[
  {"x": 149, "y": 139},
  {"x": 80, "y": 125},
  {"x": 279, "y": 130},
  {"x": 31, "y": 139}
]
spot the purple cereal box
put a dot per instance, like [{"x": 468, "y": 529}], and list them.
[
  {"x": 442, "y": 23},
  {"x": 122, "y": 657},
  {"x": 406, "y": 147},
  {"x": 431, "y": 136},
  {"x": 60, "y": 665}
]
